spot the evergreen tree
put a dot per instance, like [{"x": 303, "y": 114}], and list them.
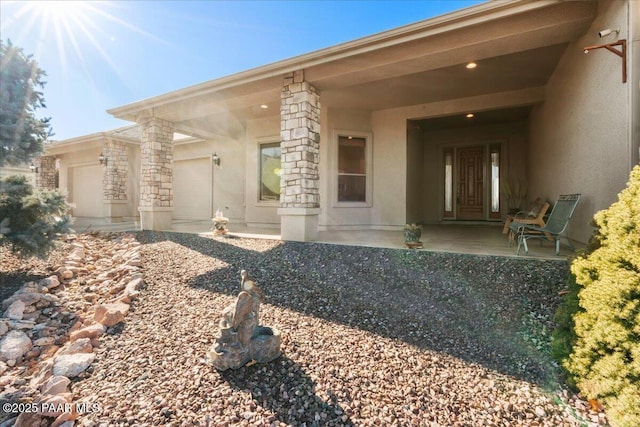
[
  {"x": 605, "y": 359},
  {"x": 21, "y": 132}
]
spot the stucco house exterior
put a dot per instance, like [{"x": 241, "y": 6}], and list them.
[{"x": 421, "y": 124}]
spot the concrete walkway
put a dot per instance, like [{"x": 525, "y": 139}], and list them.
[{"x": 483, "y": 239}]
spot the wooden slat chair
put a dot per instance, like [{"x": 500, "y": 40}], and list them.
[
  {"x": 535, "y": 215},
  {"x": 555, "y": 227}
]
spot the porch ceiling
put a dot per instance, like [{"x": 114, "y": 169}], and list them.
[{"x": 517, "y": 45}]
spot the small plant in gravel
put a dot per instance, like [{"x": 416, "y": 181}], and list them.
[
  {"x": 31, "y": 220},
  {"x": 605, "y": 356}
]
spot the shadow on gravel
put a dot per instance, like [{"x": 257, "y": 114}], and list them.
[
  {"x": 11, "y": 282},
  {"x": 287, "y": 392},
  {"x": 489, "y": 310}
]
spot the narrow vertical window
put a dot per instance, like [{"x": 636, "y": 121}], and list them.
[
  {"x": 494, "y": 152},
  {"x": 270, "y": 172},
  {"x": 448, "y": 183},
  {"x": 352, "y": 169}
]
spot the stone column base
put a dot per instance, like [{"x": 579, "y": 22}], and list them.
[
  {"x": 114, "y": 210},
  {"x": 155, "y": 218},
  {"x": 299, "y": 224}
]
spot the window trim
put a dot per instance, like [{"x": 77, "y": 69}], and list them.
[
  {"x": 368, "y": 137},
  {"x": 259, "y": 201}
]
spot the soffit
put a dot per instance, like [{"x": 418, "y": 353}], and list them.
[{"x": 514, "y": 51}]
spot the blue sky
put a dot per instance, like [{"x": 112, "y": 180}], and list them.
[{"x": 100, "y": 55}]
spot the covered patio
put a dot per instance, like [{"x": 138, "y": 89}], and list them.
[{"x": 475, "y": 239}]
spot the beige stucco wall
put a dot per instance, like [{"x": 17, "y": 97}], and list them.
[
  {"x": 415, "y": 174},
  {"x": 634, "y": 80},
  {"x": 580, "y": 136},
  {"x": 228, "y": 178},
  {"x": 71, "y": 158},
  {"x": 389, "y": 168},
  {"x": 334, "y": 215},
  {"x": 257, "y": 213}
]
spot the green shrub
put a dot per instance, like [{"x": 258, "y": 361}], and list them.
[
  {"x": 605, "y": 359},
  {"x": 31, "y": 220}
]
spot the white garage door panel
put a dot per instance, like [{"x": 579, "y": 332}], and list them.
[
  {"x": 192, "y": 189},
  {"x": 87, "y": 191}
]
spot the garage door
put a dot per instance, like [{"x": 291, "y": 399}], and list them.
[
  {"x": 87, "y": 191},
  {"x": 192, "y": 189}
]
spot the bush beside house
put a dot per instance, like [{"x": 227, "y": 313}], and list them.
[
  {"x": 598, "y": 339},
  {"x": 31, "y": 220}
]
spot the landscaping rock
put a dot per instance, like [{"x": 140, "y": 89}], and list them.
[
  {"x": 55, "y": 385},
  {"x": 50, "y": 282},
  {"x": 45, "y": 341},
  {"x": 81, "y": 345},
  {"x": 72, "y": 365},
  {"x": 14, "y": 345},
  {"x": 369, "y": 337},
  {"x": 92, "y": 331},
  {"x": 111, "y": 314},
  {"x": 15, "y": 311}
]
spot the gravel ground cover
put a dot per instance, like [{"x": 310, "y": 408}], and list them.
[{"x": 370, "y": 337}]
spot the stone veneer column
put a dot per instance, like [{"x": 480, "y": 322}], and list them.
[
  {"x": 300, "y": 156},
  {"x": 156, "y": 173},
  {"x": 46, "y": 175},
  {"x": 114, "y": 180}
]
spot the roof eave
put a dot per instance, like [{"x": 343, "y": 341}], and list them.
[{"x": 429, "y": 27}]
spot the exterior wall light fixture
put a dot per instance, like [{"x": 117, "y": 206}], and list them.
[
  {"x": 216, "y": 159},
  {"x": 33, "y": 168},
  {"x": 102, "y": 159}
]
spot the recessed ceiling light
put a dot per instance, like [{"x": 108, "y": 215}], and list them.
[
  {"x": 471, "y": 65},
  {"x": 264, "y": 106},
  {"x": 470, "y": 115}
]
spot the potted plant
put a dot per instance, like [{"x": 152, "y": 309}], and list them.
[
  {"x": 515, "y": 193},
  {"x": 412, "y": 233}
]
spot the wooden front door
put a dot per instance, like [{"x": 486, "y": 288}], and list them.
[{"x": 470, "y": 193}]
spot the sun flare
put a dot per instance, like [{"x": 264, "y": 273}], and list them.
[
  {"x": 75, "y": 31},
  {"x": 60, "y": 10}
]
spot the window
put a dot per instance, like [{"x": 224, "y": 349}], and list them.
[
  {"x": 448, "y": 183},
  {"x": 352, "y": 169},
  {"x": 494, "y": 153},
  {"x": 495, "y": 181},
  {"x": 270, "y": 172}
]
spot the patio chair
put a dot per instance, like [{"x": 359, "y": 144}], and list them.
[
  {"x": 534, "y": 215},
  {"x": 555, "y": 227}
]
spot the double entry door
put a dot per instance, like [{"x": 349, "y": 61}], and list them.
[{"x": 472, "y": 182}]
